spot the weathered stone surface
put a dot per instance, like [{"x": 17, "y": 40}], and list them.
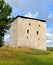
[{"x": 26, "y": 32}]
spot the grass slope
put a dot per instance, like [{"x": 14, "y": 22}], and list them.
[{"x": 21, "y": 56}]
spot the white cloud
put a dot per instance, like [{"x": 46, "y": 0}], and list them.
[
  {"x": 49, "y": 34},
  {"x": 49, "y": 38},
  {"x": 49, "y": 16},
  {"x": 36, "y": 15},
  {"x": 28, "y": 15},
  {"x": 48, "y": 41},
  {"x": 6, "y": 38},
  {"x": 32, "y": 15}
]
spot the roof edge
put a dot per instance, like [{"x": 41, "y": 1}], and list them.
[{"x": 30, "y": 18}]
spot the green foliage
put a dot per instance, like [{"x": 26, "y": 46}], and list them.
[
  {"x": 50, "y": 48},
  {"x": 1, "y": 41},
  {"x": 1, "y": 3},
  {"x": 5, "y": 11}
]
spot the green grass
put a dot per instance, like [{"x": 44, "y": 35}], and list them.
[{"x": 9, "y": 56}]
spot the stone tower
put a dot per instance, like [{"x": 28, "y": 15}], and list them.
[{"x": 28, "y": 32}]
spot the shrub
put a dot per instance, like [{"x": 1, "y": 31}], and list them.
[{"x": 50, "y": 48}]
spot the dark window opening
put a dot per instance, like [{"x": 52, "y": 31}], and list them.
[
  {"x": 39, "y": 25},
  {"x": 27, "y": 37},
  {"x": 38, "y": 38},
  {"x": 29, "y": 24},
  {"x": 37, "y": 32},
  {"x": 27, "y": 31}
]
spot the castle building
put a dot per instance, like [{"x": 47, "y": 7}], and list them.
[{"x": 28, "y": 32}]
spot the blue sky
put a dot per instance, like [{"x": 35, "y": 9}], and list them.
[{"x": 41, "y": 9}]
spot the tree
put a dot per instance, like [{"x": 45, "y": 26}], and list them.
[{"x": 5, "y": 20}]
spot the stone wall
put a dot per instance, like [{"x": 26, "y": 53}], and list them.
[{"x": 28, "y": 33}]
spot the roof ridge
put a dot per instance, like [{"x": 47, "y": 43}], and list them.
[{"x": 30, "y": 18}]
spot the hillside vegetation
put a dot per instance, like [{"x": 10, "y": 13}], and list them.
[{"x": 25, "y": 56}]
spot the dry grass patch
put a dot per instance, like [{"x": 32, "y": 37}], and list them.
[
  {"x": 5, "y": 53},
  {"x": 29, "y": 50}
]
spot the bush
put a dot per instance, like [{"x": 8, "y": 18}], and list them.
[{"x": 50, "y": 48}]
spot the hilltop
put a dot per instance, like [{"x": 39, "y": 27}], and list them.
[{"x": 25, "y": 56}]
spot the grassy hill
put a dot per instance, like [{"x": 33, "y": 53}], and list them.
[{"x": 25, "y": 56}]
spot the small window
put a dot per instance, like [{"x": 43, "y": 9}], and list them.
[
  {"x": 27, "y": 37},
  {"x": 37, "y": 32},
  {"x": 29, "y": 24},
  {"x": 39, "y": 25},
  {"x": 27, "y": 31},
  {"x": 38, "y": 38}
]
